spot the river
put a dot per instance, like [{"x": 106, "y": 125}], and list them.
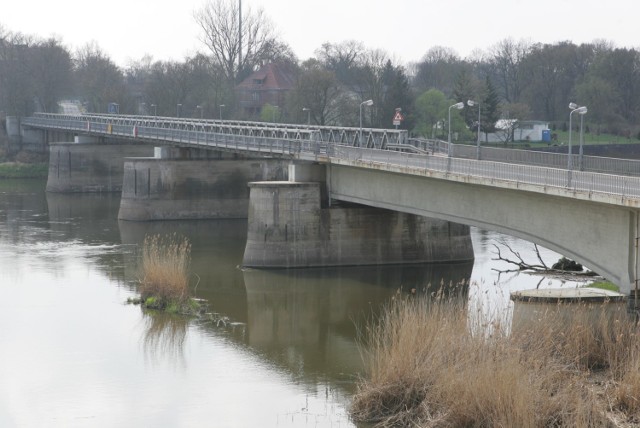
[{"x": 282, "y": 351}]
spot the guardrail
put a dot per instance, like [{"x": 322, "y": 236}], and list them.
[{"x": 551, "y": 160}]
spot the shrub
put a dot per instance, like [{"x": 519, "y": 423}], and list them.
[
  {"x": 429, "y": 365},
  {"x": 165, "y": 271}
]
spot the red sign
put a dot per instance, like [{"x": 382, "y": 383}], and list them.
[{"x": 397, "y": 118}]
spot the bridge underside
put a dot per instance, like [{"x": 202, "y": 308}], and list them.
[{"x": 602, "y": 237}]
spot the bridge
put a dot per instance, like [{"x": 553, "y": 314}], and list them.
[{"x": 590, "y": 214}]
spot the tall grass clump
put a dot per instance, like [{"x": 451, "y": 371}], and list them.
[
  {"x": 427, "y": 366},
  {"x": 164, "y": 279}
]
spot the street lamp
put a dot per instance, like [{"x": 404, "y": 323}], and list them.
[
  {"x": 201, "y": 111},
  {"x": 308, "y": 110},
  {"x": 459, "y": 106},
  {"x": 178, "y": 107},
  {"x": 582, "y": 111},
  {"x": 471, "y": 103},
  {"x": 364, "y": 103},
  {"x": 155, "y": 109},
  {"x": 221, "y": 107}
]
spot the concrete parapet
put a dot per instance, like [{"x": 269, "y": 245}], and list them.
[
  {"x": 175, "y": 189},
  {"x": 89, "y": 167},
  {"x": 288, "y": 228}
]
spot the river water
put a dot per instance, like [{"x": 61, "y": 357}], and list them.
[{"x": 282, "y": 351}]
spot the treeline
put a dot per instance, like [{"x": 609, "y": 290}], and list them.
[{"x": 511, "y": 80}]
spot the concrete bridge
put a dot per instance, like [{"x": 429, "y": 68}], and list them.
[{"x": 590, "y": 215}]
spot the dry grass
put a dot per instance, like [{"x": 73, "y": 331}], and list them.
[
  {"x": 427, "y": 370},
  {"x": 165, "y": 270}
]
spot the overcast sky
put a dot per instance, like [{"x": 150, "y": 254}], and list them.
[{"x": 406, "y": 29}]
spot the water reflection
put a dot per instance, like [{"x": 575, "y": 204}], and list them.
[
  {"x": 164, "y": 336},
  {"x": 75, "y": 352},
  {"x": 303, "y": 320},
  {"x": 88, "y": 222},
  {"x": 216, "y": 250},
  {"x": 306, "y": 319}
]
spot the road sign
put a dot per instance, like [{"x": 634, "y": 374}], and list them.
[{"x": 397, "y": 118}]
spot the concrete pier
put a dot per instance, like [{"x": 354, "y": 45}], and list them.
[
  {"x": 89, "y": 167},
  {"x": 289, "y": 228},
  {"x": 179, "y": 187}
]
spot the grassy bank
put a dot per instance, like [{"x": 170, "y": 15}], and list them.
[
  {"x": 428, "y": 366},
  {"x": 23, "y": 170}
]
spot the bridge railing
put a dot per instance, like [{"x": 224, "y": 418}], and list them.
[
  {"x": 124, "y": 125},
  {"x": 551, "y": 160},
  {"x": 625, "y": 186},
  {"x": 308, "y": 143}
]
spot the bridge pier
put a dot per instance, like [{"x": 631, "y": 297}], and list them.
[
  {"x": 89, "y": 166},
  {"x": 192, "y": 184},
  {"x": 290, "y": 226}
]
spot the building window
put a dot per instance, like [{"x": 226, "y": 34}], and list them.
[{"x": 255, "y": 96}]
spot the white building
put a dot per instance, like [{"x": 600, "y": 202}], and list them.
[{"x": 523, "y": 130}]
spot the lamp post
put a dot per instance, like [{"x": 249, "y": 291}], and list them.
[
  {"x": 459, "y": 106},
  {"x": 199, "y": 107},
  {"x": 364, "y": 103},
  {"x": 471, "y": 103},
  {"x": 178, "y": 107},
  {"x": 581, "y": 110},
  {"x": 221, "y": 107},
  {"x": 308, "y": 110},
  {"x": 581, "y": 113},
  {"x": 155, "y": 109},
  {"x": 273, "y": 114}
]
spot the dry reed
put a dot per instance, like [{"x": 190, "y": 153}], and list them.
[
  {"x": 426, "y": 369},
  {"x": 165, "y": 270}
]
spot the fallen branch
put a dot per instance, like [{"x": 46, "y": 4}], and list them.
[{"x": 541, "y": 268}]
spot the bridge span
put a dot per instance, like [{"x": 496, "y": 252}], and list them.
[{"x": 591, "y": 217}]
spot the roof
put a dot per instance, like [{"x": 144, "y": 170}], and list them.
[{"x": 272, "y": 76}]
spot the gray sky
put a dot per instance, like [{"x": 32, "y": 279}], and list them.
[{"x": 406, "y": 29}]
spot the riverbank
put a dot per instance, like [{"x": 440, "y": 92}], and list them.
[
  {"x": 431, "y": 364},
  {"x": 23, "y": 170}
]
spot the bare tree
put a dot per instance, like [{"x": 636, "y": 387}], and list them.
[
  {"x": 506, "y": 57},
  {"x": 220, "y": 24},
  {"x": 99, "y": 80}
]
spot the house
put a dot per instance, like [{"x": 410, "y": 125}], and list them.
[
  {"x": 268, "y": 85},
  {"x": 508, "y": 130}
]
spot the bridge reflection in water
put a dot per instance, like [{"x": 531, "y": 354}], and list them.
[{"x": 303, "y": 320}]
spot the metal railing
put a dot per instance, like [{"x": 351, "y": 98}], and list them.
[
  {"x": 126, "y": 126},
  {"x": 577, "y": 181},
  {"x": 551, "y": 160},
  {"x": 310, "y": 143}
]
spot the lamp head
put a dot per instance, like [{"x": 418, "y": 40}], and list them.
[
  {"x": 459, "y": 105},
  {"x": 582, "y": 110},
  {"x": 368, "y": 102},
  {"x": 573, "y": 106},
  {"x": 471, "y": 103}
]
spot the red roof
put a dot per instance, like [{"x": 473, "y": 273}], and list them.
[{"x": 270, "y": 76}]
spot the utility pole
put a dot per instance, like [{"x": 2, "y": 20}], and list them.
[{"x": 239, "y": 36}]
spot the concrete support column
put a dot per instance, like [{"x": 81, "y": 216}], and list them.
[
  {"x": 288, "y": 228},
  {"x": 188, "y": 187},
  {"x": 89, "y": 167}
]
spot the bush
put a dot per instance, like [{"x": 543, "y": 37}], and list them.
[
  {"x": 165, "y": 271},
  {"x": 428, "y": 365}
]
